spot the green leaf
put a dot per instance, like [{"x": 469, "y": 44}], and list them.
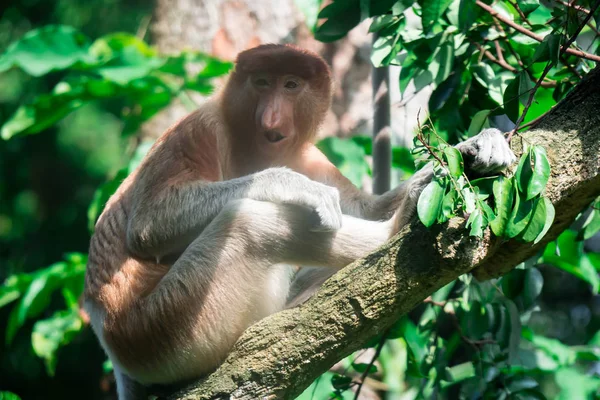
[
  {"x": 50, "y": 334},
  {"x": 36, "y": 297},
  {"x": 575, "y": 384},
  {"x": 378, "y": 7},
  {"x": 560, "y": 352},
  {"x": 431, "y": 13},
  {"x": 362, "y": 367},
  {"x": 459, "y": 373},
  {"x": 45, "y": 111},
  {"x": 512, "y": 283},
  {"x": 536, "y": 223},
  {"x": 321, "y": 388},
  {"x": 477, "y": 222},
  {"x": 528, "y": 6},
  {"x": 8, "y": 396},
  {"x": 524, "y": 172},
  {"x": 525, "y": 87},
  {"x": 403, "y": 159},
  {"x": 591, "y": 226},
  {"x": 479, "y": 122},
  {"x": 515, "y": 330},
  {"x": 528, "y": 394},
  {"x": 445, "y": 58},
  {"x": 474, "y": 322},
  {"x": 454, "y": 160},
  {"x": 540, "y": 167},
  {"x": 381, "y": 22},
  {"x": 584, "y": 270},
  {"x": 503, "y": 199},
  {"x": 511, "y": 99},
  {"x": 532, "y": 287},
  {"x": 341, "y": 382},
  {"x": 522, "y": 383},
  {"x": 13, "y": 287},
  {"x": 549, "y": 49},
  {"x": 347, "y": 156},
  {"x": 149, "y": 95},
  {"x": 382, "y": 50},
  {"x": 430, "y": 202},
  {"x": 567, "y": 254},
  {"x": 51, "y": 48},
  {"x": 101, "y": 196},
  {"x": 448, "y": 206},
  {"x": 549, "y": 207},
  {"x": 520, "y": 216},
  {"x": 467, "y": 14},
  {"x": 342, "y": 15}
]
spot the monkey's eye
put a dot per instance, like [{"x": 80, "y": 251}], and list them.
[
  {"x": 261, "y": 82},
  {"x": 291, "y": 85}
]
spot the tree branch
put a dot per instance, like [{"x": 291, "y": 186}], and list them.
[
  {"x": 527, "y": 32},
  {"x": 278, "y": 357}
]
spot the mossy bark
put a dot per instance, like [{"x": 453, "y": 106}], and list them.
[{"x": 280, "y": 356}]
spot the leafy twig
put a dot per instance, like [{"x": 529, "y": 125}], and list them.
[
  {"x": 527, "y": 32},
  {"x": 549, "y": 66},
  {"x": 373, "y": 359}
]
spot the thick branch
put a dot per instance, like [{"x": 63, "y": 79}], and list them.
[{"x": 280, "y": 356}]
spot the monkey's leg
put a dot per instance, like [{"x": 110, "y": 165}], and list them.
[{"x": 229, "y": 277}]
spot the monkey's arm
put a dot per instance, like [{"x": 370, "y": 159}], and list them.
[
  {"x": 486, "y": 153},
  {"x": 171, "y": 204}
]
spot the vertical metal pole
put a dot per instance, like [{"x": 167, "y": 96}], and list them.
[{"x": 382, "y": 131}]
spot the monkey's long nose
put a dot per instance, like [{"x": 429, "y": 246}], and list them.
[{"x": 271, "y": 119}]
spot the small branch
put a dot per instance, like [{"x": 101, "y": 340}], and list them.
[
  {"x": 441, "y": 304},
  {"x": 527, "y": 32},
  {"x": 502, "y": 63},
  {"x": 533, "y": 121},
  {"x": 499, "y": 52},
  {"x": 508, "y": 44},
  {"x": 573, "y": 6},
  {"x": 548, "y": 68},
  {"x": 424, "y": 142},
  {"x": 580, "y": 9},
  {"x": 363, "y": 378},
  {"x": 571, "y": 68},
  {"x": 579, "y": 28},
  {"x": 520, "y": 12},
  {"x": 529, "y": 101}
]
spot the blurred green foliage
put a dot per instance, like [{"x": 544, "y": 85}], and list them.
[{"x": 70, "y": 111}]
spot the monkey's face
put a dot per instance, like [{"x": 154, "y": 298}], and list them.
[{"x": 277, "y": 120}]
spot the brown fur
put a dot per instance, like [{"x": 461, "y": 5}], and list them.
[
  {"x": 196, "y": 243},
  {"x": 211, "y": 144}
]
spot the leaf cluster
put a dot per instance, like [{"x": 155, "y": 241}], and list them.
[{"x": 115, "y": 66}]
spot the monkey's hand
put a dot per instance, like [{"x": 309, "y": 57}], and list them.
[
  {"x": 282, "y": 185},
  {"x": 486, "y": 153},
  {"x": 325, "y": 201}
]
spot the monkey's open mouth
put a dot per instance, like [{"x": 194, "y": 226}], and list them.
[{"x": 274, "y": 136}]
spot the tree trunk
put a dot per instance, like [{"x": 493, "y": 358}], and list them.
[
  {"x": 223, "y": 28},
  {"x": 278, "y": 357}
]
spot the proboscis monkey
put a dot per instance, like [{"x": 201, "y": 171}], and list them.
[{"x": 200, "y": 241}]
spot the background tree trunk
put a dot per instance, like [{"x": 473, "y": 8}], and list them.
[
  {"x": 223, "y": 28},
  {"x": 281, "y": 355}
]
